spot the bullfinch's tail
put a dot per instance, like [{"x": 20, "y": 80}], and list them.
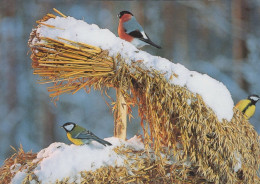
[{"x": 150, "y": 42}]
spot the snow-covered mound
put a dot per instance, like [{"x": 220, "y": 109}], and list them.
[
  {"x": 60, "y": 161},
  {"x": 214, "y": 93}
]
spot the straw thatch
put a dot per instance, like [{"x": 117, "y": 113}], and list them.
[{"x": 191, "y": 131}]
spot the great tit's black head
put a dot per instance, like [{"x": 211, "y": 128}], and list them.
[
  {"x": 69, "y": 126},
  {"x": 123, "y": 13},
  {"x": 253, "y": 98}
]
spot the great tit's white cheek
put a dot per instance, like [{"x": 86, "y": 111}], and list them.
[
  {"x": 254, "y": 98},
  {"x": 69, "y": 127}
]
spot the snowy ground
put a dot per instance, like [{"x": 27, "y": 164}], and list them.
[
  {"x": 59, "y": 160},
  {"x": 214, "y": 93}
]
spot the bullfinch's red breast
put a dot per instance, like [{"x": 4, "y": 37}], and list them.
[{"x": 130, "y": 30}]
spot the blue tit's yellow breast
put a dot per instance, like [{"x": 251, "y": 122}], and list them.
[{"x": 74, "y": 141}]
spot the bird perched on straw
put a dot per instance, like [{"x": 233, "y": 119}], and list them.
[
  {"x": 247, "y": 106},
  {"x": 79, "y": 135},
  {"x": 130, "y": 30}
]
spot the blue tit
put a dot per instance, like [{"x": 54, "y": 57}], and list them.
[
  {"x": 79, "y": 135},
  {"x": 247, "y": 106}
]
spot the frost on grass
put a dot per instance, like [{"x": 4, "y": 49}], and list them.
[{"x": 213, "y": 92}]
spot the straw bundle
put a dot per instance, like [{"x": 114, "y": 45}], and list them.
[{"x": 191, "y": 131}]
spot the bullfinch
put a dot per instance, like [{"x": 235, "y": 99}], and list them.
[
  {"x": 130, "y": 30},
  {"x": 79, "y": 135},
  {"x": 247, "y": 106}
]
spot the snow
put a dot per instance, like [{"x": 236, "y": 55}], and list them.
[
  {"x": 59, "y": 160},
  {"x": 19, "y": 177},
  {"x": 214, "y": 93},
  {"x": 238, "y": 158}
]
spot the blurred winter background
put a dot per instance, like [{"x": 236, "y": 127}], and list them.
[{"x": 220, "y": 38}]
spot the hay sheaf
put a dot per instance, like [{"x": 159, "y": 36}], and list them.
[{"x": 177, "y": 118}]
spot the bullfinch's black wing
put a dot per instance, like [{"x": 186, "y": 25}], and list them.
[{"x": 134, "y": 29}]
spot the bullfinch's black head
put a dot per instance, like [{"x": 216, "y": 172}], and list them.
[
  {"x": 69, "y": 126},
  {"x": 254, "y": 98},
  {"x": 123, "y": 13}
]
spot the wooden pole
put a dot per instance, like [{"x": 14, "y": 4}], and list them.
[
  {"x": 120, "y": 117},
  {"x": 240, "y": 16}
]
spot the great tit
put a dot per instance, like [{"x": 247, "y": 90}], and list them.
[
  {"x": 79, "y": 135},
  {"x": 247, "y": 106}
]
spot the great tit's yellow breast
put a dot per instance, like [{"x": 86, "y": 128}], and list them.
[
  {"x": 243, "y": 104},
  {"x": 250, "y": 111},
  {"x": 74, "y": 141}
]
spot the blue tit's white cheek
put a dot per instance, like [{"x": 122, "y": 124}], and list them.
[{"x": 69, "y": 127}]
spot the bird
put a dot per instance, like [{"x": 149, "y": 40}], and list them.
[
  {"x": 79, "y": 135},
  {"x": 130, "y": 30},
  {"x": 247, "y": 106}
]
